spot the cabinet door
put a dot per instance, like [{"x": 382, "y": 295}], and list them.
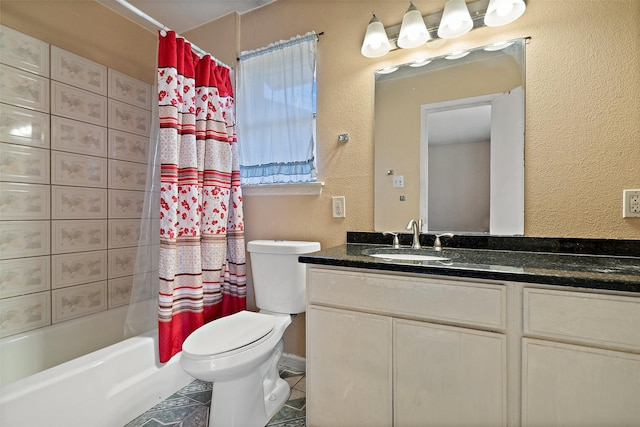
[
  {"x": 448, "y": 376},
  {"x": 348, "y": 368},
  {"x": 567, "y": 385}
]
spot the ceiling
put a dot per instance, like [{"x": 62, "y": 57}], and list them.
[
  {"x": 181, "y": 15},
  {"x": 444, "y": 126}
]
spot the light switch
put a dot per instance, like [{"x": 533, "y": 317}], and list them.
[{"x": 338, "y": 206}]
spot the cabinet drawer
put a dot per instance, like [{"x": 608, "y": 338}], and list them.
[
  {"x": 451, "y": 301},
  {"x": 602, "y": 320}
]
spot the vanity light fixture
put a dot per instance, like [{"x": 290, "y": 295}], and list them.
[
  {"x": 503, "y": 12},
  {"x": 376, "y": 43},
  {"x": 498, "y": 46},
  {"x": 457, "y": 55},
  {"x": 456, "y": 20},
  {"x": 433, "y": 30},
  {"x": 420, "y": 63},
  {"x": 413, "y": 32},
  {"x": 387, "y": 70}
]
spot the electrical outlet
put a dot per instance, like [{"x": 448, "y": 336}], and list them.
[
  {"x": 398, "y": 181},
  {"x": 631, "y": 204},
  {"x": 338, "y": 205}
]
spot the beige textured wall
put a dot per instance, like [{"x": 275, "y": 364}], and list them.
[
  {"x": 582, "y": 127},
  {"x": 581, "y": 147},
  {"x": 583, "y": 79},
  {"x": 88, "y": 29}
]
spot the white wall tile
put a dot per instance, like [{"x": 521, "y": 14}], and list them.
[
  {"x": 127, "y": 175},
  {"x": 23, "y": 51},
  {"x": 19, "y": 163},
  {"x": 76, "y": 301},
  {"x": 24, "y": 127},
  {"x": 62, "y": 204},
  {"x": 121, "y": 289},
  {"x": 124, "y": 233},
  {"x": 128, "y": 146},
  {"x": 24, "y": 276},
  {"x": 78, "y": 203},
  {"x": 24, "y": 201},
  {"x": 78, "y": 268},
  {"x": 78, "y": 137},
  {"x": 24, "y": 89},
  {"x": 73, "y": 103},
  {"x": 24, "y": 313},
  {"x": 122, "y": 262},
  {"x": 78, "y": 236},
  {"x": 77, "y": 71},
  {"x": 128, "y": 118},
  {"x": 125, "y": 204},
  {"x": 127, "y": 89},
  {"x": 76, "y": 169},
  {"x": 20, "y": 239}
]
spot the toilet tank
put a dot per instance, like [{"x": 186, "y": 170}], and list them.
[{"x": 279, "y": 280}]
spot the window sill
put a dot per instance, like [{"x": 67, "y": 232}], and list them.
[{"x": 301, "y": 189}]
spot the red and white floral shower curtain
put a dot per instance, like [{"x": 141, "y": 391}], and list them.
[{"x": 202, "y": 255}]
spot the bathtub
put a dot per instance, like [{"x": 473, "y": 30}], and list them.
[
  {"x": 30, "y": 352},
  {"x": 108, "y": 387}
]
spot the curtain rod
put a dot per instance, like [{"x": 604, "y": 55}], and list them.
[
  {"x": 321, "y": 33},
  {"x": 163, "y": 30}
]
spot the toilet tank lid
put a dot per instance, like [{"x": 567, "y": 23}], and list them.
[{"x": 285, "y": 247}]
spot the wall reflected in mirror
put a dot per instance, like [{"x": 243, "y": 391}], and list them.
[{"x": 449, "y": 143}]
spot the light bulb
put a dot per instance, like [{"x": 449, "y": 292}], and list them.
[
  {"x": 503, "y": 12},
  {"x": 504, "y": 8},
  {"x": 456, "y": 20},
  {"x": 375, "y": 42},
  {"x": 413, "y": 32}
]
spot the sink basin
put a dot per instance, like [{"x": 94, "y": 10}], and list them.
[
  {"x": 404, "y": 254},
  {"x": 409, "y": 257}
]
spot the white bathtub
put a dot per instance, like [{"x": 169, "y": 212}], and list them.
[
  {"x": 108, "y": 387},
  {"x": 34, "y": 351}
]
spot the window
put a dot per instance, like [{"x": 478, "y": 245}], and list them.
[{"x": 276, "y": 113}]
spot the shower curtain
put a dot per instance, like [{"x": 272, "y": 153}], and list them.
[{"x": 202, "y": 254}]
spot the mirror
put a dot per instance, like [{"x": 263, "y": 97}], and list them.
[{"x": 449, "y": 143}]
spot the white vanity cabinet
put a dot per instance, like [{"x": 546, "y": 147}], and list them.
[
  {"x": 350, "y": 356},
  {"x": 448, "y": 376},
  {"x": 580, "y": 361},
  {"x": 402, "y": 350}
]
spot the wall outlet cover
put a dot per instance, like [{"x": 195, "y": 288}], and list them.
[{"x": 631, "y": 204}]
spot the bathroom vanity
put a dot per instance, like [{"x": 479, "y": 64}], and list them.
[{"x": 554, "y": 341}]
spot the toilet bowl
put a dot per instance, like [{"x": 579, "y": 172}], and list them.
[
  {"x": 247, "y": 388},
  {"x": 240, "y": 353}
]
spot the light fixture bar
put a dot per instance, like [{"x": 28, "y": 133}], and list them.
[{"x": 477, "y": 10}]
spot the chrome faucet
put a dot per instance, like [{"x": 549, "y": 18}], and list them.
[
  {"x": 416, "y": 227},
  {"x": 437, "y": 245}
]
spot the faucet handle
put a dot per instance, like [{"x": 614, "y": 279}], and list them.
[
  {"x": 437, "y": 245},
  {"x": 396, "y": 242},
  {"x": 445, "y": 235}
]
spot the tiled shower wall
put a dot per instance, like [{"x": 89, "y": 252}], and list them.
[{"x": 73, "y": 163}]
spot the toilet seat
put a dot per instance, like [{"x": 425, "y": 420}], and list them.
[{"x": 228, "y": 333}]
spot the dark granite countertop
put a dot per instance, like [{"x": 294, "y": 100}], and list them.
[{"x": 561, "y": 262}]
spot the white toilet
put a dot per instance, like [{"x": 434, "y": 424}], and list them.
[{"x": 240, "y": 353}]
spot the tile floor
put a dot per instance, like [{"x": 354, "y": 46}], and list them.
[{"x": 189, "y": 407}]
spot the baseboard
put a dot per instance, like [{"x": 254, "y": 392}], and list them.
[{"x": 294, "y": 361}]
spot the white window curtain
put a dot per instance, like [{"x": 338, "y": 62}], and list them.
[{"x": 275, "y": 112}]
